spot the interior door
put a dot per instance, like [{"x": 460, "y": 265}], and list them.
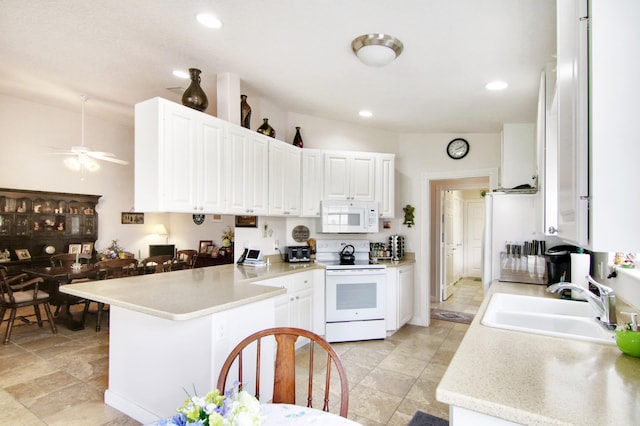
[
  {"x": 474, "y": 224},
  {"x": 449, "y": 246},
  {"x": 458, "y": 235}
]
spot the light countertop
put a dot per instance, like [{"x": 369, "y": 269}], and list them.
[
  {"x": 539, "y": 380},
  {"x": 190, "y": 293}
]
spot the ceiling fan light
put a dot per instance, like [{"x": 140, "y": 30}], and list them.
[
  {"x": 377, "y": 49},
  {"x": 72, "y": 163}
]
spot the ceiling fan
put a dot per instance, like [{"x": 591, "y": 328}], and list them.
[{"x": 82, "y": 158}]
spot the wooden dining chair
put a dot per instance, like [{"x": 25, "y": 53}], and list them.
[
  {"x": 189, "y": 257},
  {"x": 107, "y": 269},
  {"x": 153, "y": 264},
  {"x": 68, "y": 259},
  {"x": 284, "y": 383},
  {"x": 17, "y": 293}
]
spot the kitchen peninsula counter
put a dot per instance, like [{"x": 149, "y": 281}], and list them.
[
  {"x": 190, "y": 293},
  {"x": 173, "y": 331},
  {"x": 533, "y": 379}
]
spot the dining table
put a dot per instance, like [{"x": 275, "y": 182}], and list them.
[
  {"x": 54, "y": 277},
  {"x": 288, "y": 414}
]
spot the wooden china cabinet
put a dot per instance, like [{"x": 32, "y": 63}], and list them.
[{"x": 38, "y": 224}]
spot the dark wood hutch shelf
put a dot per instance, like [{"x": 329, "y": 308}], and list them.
[{"x": 35, "y": 220}]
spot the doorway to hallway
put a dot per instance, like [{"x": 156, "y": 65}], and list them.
[{"x": 457, "y": 225}]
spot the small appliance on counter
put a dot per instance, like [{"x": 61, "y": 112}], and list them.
[
  {"x": 396, "y": 244},
  {"x": 294, "y": 254},
  {"x": 559, "y": 263}
]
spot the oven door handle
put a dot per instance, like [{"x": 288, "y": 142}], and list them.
[{"x": 373, "y": 271}]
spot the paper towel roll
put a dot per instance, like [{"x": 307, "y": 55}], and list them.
[{"x": 580, "y": 264}]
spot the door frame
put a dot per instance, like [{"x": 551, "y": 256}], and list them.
[{"x": 431, "y": 212}]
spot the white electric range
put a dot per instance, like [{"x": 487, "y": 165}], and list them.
[{"x": 355, "y": 292}]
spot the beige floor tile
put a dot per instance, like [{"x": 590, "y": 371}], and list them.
[
  {"x": 394, "y": 383},
  {"x": 373, "y": 404},
  {"x": 60, "y": 379}
]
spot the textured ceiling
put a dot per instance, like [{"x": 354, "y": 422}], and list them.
[{"x": 295, "y": 53}]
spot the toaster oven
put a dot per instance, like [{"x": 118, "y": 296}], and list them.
[{"x": 297, "y": 254}]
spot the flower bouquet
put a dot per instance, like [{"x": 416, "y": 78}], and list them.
[
  {"x": 114, "y": 251},
  {"x": 234, "y": 408}
]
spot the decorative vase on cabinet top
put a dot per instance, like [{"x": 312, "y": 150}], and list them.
[
  {"x": 194, "y": 97},
  {"x": 266, "y": 128},
  {"x": 245, "y": 112},
  {"x": 297, "y": 139}
]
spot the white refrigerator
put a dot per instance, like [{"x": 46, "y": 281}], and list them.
[{"x": 509, "y": 218}]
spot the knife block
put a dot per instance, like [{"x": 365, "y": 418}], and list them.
[{"x": 523, "y": 269}]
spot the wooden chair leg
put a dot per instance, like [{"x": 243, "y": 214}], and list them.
[
  {"x": 12, "y": 318},
  {"x": 36, "y": 310},
  {"x": 100, "y": 306},
  {"x": 47, "y": 310}
]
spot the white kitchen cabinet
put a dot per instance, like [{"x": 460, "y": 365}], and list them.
[
  {"x": 312, "y": 183},
  {"x": 547, "y": 150},
  {"x": 349, "y": 175},
  {"x": 248, "y": 172},
  {"x": 179, "y": 159},
  {"x": 598, "y": 124},
  {"x": 399, "y": 297},
  {"x": 296, "y": 308},
  {"x": 284, "y": 179},
  {"x": 518, "y": 154},
  {"x": 385, "y": 184}
]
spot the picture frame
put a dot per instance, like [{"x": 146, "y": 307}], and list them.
[
  {"x": 23, "y": 254},
  {"x": 204, "y": 246},
  {"x": 132, "y": 218},
  {"x": 246, "y": 221},
  {"x": 87, "y": 248},
  {"x": 75, "y": 248}
]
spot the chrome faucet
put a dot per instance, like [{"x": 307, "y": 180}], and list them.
[{"x": 605, "y": 305}]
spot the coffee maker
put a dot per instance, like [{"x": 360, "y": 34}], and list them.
[{"x": 559, "y": 263}]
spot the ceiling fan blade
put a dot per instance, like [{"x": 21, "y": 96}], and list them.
[{"x": 112, "y": 160}]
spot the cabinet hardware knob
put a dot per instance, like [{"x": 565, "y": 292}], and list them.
[{"x": 553, "y": 230}]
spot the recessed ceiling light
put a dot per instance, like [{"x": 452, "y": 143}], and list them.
[
  {"x": 365, "y": 113},
  {"x": 208, "y": 20},
  {"x": 181, "y": 74},
  {"x": 496, "y": 85}
]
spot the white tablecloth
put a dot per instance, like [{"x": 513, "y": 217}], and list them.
[{"x": 286, "y": 414}]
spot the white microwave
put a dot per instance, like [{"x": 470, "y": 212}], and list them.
[{"x": 349, "y": 217}]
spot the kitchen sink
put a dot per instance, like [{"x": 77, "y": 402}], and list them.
[{"x": 551, "y": 317}]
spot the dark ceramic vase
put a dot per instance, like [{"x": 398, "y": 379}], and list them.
[
  {"x": 297, "y": 139},
  {"x": 245, "y": 112},
  {"x": 266, "y": 128},
  {"x": 194, "y": 97}
]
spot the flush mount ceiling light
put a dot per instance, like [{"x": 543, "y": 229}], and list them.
[
  {"x": 377, "y": 49},
  {"x": 180, "y": 74},
  {"x": 496, "y": 85},
  {"x": 366, "y": 114},
  {"x": 208, "y": 20}
]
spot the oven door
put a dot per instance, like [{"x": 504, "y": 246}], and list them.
[{"x": 355, "y": 294}]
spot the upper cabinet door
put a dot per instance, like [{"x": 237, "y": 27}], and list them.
[
  {"x": 312, "y": 182},
  {"x": 211, "y": 181},
  {"x": 573, "y": 140},
  {"x": 385, "y": 184},
  {"x": 248, "y": 184},
  {"x": 349, "y": 176},
  {"x": 284, "y": 178}
]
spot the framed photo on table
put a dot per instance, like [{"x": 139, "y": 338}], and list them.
[
  {"x": 23, "y": 254},
  {"x": 75, "y": 248},
  {"x": 87, "y": 248},
  {"x": 204, "y": 246}
]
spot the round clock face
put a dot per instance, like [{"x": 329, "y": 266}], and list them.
[
  {"x": 458, "y": 148},
  {"x": 198, "y": 219}
]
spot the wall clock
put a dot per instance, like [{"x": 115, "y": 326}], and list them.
[
  {"x": 198, "y": 219},
  {"x": 458, "y": 148}
]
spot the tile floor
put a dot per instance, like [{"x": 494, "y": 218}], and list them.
[{"x": 60, "y": 379}]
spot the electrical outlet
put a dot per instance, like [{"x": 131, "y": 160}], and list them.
[{"x": 276, "y": 245}]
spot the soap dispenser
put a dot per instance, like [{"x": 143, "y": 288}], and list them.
[{"x": 628, "y": 336}]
